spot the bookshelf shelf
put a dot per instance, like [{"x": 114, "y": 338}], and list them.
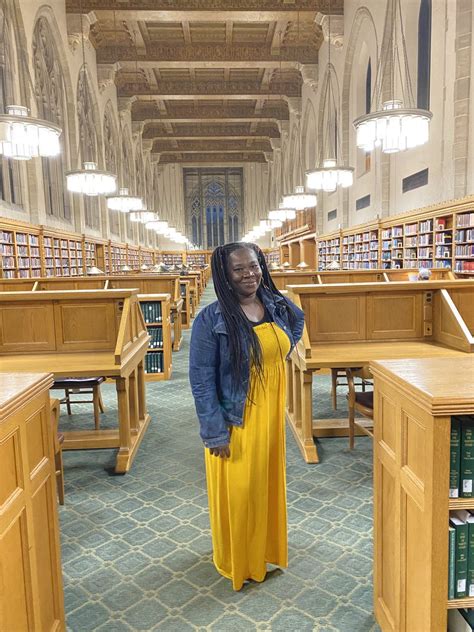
[
  {"x": 156, "y": 310},
  {"x": 466, "y": 602},
  {"x": 440, "y": 236},
  {"x": 461, "y": 503},
  {"x": 419, "y": 400}
]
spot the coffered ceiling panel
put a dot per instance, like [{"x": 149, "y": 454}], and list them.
[{"x": 211, "y": 80}]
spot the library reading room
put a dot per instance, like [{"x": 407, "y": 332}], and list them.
[{"x": 236, "y": 237}]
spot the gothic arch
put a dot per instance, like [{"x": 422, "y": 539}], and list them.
[
  {"x": 363, "y": 23},
  {"x": 112, "y": 157},
  {"x": 309, "y": 136},
  {"x": 50, "y": 91}
]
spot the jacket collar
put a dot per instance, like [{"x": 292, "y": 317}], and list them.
[{"x": 271, "y": 302}]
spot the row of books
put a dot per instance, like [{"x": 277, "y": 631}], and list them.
[
  {"x": 461, "y": 469},
  {"x": 461, "y": 554},
  {"x": 465, "y": 220},
  {"x": 465, "y": 235},
  {"x": 151, "y": 311},
  {"x": 156, "y": 337},
  {"x": 463, "y": 266},
  {"x": 465, "y": 251},
  {"x": 154, "y": 363},
  {"x": 461, "y": 620}
]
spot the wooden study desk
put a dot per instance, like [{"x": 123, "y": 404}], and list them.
[
  {"x": 32, "y": 595},
  {"x": 83, "y": 333},
  {"x": 146, "y": 284},
  {"x": 413, "y": 405},
  {"x": 350, "y": 325},
  {"x": 300, "y": 277}
]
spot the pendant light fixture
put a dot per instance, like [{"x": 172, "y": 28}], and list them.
[
  {"x": 23, "y": 137},
  {"x": 299, "y": 199},
  {"x": 89, "y": 180},
  {"x": 395, "y": 123},
  {"x": 124, "y": 202},
  {"x": 330, "y": 172},
  {"x": 142, "y": 216},
  {"x": 282, "y": 213}
]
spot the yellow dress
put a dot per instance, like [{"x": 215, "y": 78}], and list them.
[{"x": 247, "y": 492}]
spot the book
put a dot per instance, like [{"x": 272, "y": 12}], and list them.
[
  {"x": 451, "y": 562},
  {"x": 467, "y": 456},
  {"x": 457, "y": 622},
  {"x": 461, "y": 536},
  {"x": 468, "y": 518},
  {"x": 454, "y": 457}
]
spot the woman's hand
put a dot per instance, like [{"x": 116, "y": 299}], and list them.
[{"x": 221, "y": 450}]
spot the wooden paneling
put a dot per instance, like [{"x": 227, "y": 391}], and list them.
[
  {"x": 394, "y": 316},
  {"x": 337, "y": 318},
  {"x": 30, "y": 569},
  {"x": 448, "y": 325},
  {"x": 411, "y": 520},
  {"x": 88, "y": 324},
  {"x": 463, "y": 298},
  {"x": 27, "y": 327}
]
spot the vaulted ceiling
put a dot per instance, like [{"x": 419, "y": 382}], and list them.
[{"x": 209, "y": 80}]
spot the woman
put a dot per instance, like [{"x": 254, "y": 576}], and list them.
[{"x": 237, "y": 371}]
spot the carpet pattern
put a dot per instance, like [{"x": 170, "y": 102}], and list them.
[{"x": 137, "y": 551}]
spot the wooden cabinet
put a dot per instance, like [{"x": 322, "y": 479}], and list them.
[
  {"x": 30, "y": 569},
  {"x": 413, "y": 404}
]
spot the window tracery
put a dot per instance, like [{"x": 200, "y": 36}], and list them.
[
  {"x": 50, "y": 98},
  {"x": 111, "y": 159},
  {"x": 10, "y": 174},
  {"x": 88, "y": 143}
]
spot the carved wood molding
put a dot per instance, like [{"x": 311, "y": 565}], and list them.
[{"x": 211, "y": 53}]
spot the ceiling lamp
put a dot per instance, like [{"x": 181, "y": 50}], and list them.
[
  {"x": 91, "y": 181},
  {"x": 23, "y": 137},
  {"x": 269, "y": 224},
  {"x": 299, "y": 200},
  {"x": 330, "y": 171},
  {"x": 395, "y": 123},
  {"x": 124, "y": 202},
  {"x": 329, "y": 176},
  {"x": 142, "y": 216},
  {"x": 282, "y": 214},
  {"x": 159, "y": 226}
]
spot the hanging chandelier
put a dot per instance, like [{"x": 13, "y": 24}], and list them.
[
  {"x": 299, "y": 200},
  {"x": 91, "y": 181},
  {"x": 159, "y": 226},
  {"x": 23, "y": 137},
  {"x": 282, "y": 214},
  {"x": 143, "y": 216},
  {"x": 395, "y": 124},
  {"x": 124, "y": 202},
  {"x": 269, "y": 224},
  {"x": 330, "y": 172}
]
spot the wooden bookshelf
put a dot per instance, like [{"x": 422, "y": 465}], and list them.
[
  {"x": 329, "y": 250},
  {"x": 360, "y": 248},
  {"x": 172, "y": 257},
  {"x": 20, "y": 251},
  {"x": 439, "y": 236},
  {"x": 156, "y": 313},
  {"x": 414, "y": 403}
]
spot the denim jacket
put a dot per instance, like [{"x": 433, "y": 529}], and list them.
[{"x": 218, "y": 401}]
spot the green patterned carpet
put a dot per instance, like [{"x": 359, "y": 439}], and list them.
[{"x": 137, "y": 550}]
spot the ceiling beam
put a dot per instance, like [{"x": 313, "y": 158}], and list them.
[
  {"x": 219, "y": 55},
  {"x": 210, "y": 145},
  {"x": 174, "y": 90},
  {"x": 210, "y": 158}
]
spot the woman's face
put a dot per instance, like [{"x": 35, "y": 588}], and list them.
[{"x": 244, "y": 272}]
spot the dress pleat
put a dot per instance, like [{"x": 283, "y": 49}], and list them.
[{"x": 247, "y": 492}]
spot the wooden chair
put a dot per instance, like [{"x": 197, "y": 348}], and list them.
[
  {"x": 88, "y": 386},
  {"x": 338, "y": 376},
  {"x": 58, "y": 439},
  {"x": 361, "y": 402}
]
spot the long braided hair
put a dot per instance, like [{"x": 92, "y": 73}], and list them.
[{"x": 239, "y": 328}]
